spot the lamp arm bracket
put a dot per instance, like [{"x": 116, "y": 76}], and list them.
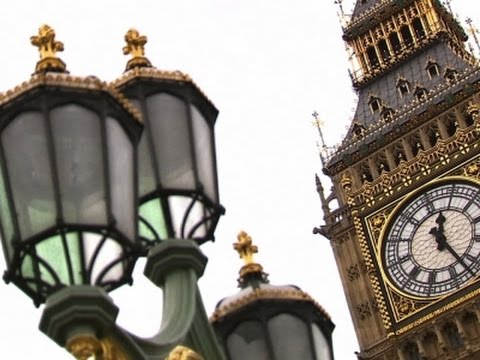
[{"x": 173, "y": 265}]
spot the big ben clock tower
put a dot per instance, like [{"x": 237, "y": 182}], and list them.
[{"x": 406, "y": 178}]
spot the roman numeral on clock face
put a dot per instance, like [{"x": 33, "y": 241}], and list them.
[
  {"x": 453, "y": 276},
  {"x": 472, "y": 259},
  {"x": 415, "y": 272}
]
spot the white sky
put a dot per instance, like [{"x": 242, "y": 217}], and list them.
[{"x": 266, "y": 64}]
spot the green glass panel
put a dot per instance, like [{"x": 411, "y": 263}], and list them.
[
  {"x": 73, "y": 244},
  {"x": 51, "y": 250},
  {"x": 152, "y": 212},
  {"x": 6, "y": 219},
  {"x": 27, "y": 271}
]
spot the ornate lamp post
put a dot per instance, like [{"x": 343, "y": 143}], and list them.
[
  {"x": 70, "y": 199},
  {"x": 270, "y": 322}
]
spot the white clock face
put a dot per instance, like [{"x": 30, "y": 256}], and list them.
[{"x": 433, "y": 245}]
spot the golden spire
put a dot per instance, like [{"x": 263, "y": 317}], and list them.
[
  {"x": 136, "y": 48},
  {"x": 246, "y": 250},
  {"x": 48, "y": 48}
]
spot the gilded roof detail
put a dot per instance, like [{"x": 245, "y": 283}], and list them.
[
  {"x": 154, "y": 73},
  {"x": 64, "y": 79},
  {"x": 264, "y": 292}
]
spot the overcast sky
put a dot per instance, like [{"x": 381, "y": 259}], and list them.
[{"x": 266, "y": 64}]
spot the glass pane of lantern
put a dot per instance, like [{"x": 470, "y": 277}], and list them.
[
  {"x": 122, "y": 181},
  {"x": 27, "y": 271},
  {"x": 146, "y": 177},
  {"x": 100, "y": 254},
  {"x": 290, "y": 338},
  {"x": 153, "y": 214},
  {"x": 187, "y": 216},
  {"x": 75, "y": 256},
  {"x": 30, "y": 174},
  {"x": 6, "y": 220},
  {"x": 79, "y": 155},
  {"x": 322, "y": 348},
  {"x": 61, "y": 253},
  {"x": 168, "y": 123},
  {"x": 204, "y": 152},
  {"x": 248, "y": 342},
  {"x": 52, "y": 252}
]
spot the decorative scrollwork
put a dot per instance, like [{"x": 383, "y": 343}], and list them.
[
  {"x": 424, "y": 164},
  {"x": 85, "y": 347},
  {"x": 405, "y": 307},
  {"x": 364, "y": 310},
  {"x": 183, "y": 353},
  {"x": 353, "y": 272},
  {"x": 472, "y": 170},
  {"x": 473, "y": 109},
  {"x": 346, "y": 182}
]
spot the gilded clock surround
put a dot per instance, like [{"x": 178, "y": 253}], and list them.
[
  {"x": 401, "y": 312},
  {"x": 371, "y": 206}
]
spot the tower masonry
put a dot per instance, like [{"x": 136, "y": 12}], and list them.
[{"x": 405, "y": 227}]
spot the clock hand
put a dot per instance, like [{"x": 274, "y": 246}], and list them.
[
  {"x": 439, "y": 232},
  {"x": 440, "y": 221},
  {"x": 441, "y": 240},
  {"x": 458, "y": 258}
]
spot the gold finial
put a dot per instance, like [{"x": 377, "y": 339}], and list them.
[
  {"x": 246, "y": 249},
  {"x": 183, "y": 353},
  {"x": 86, "y": 347},
  {"x": 136, "y": 48},
  {"x": 48, "y": 48}
]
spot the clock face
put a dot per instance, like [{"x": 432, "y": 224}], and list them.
[{"x": 432, "y": 246}]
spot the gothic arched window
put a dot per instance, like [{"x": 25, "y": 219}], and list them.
[
  {"x": 411, "y": 352},
  {"x": 418, "y": 28},
  {"x": 421, "y": 94},
  {"x": 387, "y": 115},
  {"x": 451, "y": 75},
  {"x": 453, "y": 336},
  {"x": 433, "y": 69},
  {"x": 374, "y": 103},
  {"x": 406, "y": 35},
  {"x": 403, "y": 87}
]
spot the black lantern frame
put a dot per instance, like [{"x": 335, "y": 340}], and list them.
[
  {"x": 63, "y": 209},
  {"x": 273, "y": 323},
  {"x": 178, "y": 185},
  {"x": 69, "y": 204}
]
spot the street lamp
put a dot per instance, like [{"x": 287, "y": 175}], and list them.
[
  {"x": 72, "y": 203},
  {"x": 270, "y": 322},
  {"x": 178, "y": 189}
]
